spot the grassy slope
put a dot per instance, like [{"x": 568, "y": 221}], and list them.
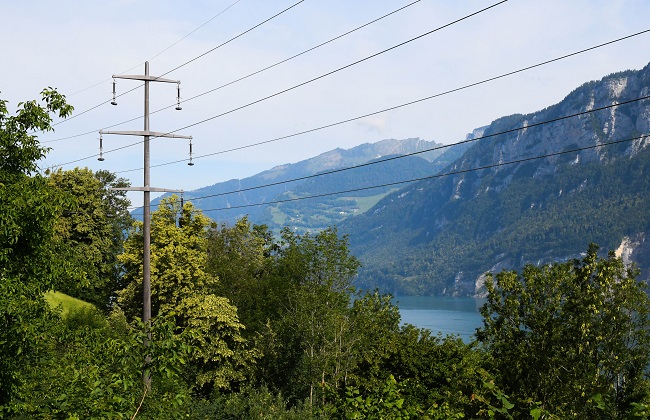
[{"x": 54, "y": 299}]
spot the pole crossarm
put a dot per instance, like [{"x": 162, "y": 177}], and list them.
[
  {"x": 144, "y": 78},
  {"x": 150, "y": 189},
  {"x": 145, "y": 133}
]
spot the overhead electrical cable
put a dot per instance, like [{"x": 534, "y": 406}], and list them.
[
  {"x": 164, "y": 50},
  {"x": 190, "y": 61},
  {"x": 93, "y": 131},
  {"x": 401, "y": 44},
  {"x": 439, "y": 147},
  {"x": 248, "y": 75},
  {"x": 303, "y": 83},
  {"x": 232, "y": 39},
  {"x": 372, "y": 113},
  {"x": 93, "y": 108},
  {"x": 196, "y": 29},
  {"x": 456, "y": 172}
]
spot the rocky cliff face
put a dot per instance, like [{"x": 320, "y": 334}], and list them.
[
  {"x": 440, "y": 236},
  {"x": 601, "y": 127},
  {"x": 635, "y": 250}
]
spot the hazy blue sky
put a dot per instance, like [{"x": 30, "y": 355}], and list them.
[{"x": 73, "y": 45}]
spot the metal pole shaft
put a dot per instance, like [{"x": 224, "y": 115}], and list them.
[
  {"x": 146, "y": 269},
  {"x": 146, "y": 260},
  {"x": 146, "y": 228}
]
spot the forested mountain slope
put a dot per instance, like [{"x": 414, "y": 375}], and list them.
[
  {"x": 312, "y": 215},
  {"x": 439, "y": 236}
]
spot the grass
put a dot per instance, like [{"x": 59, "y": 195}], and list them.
[
  {"x": 67, "y": 303},
  {"x": 367, "y": 202}
]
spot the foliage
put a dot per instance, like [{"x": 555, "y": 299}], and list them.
[
  {"x": 178, "y": 255},
  {"x": 181, "y": 285},
  {"x": 563, "y": 333},
  {"x": 91, "y": 367},
  {"x": 19, "y": 148},
  {"x": 251, "y": 403},
  {"x": 240, "y": 256},
  {"x": 317, "y": 342},
  {"x": 305, "y": 337},
  {"x": 385, "y": 402},
  {"x": 94, "y": 229},
  {"x": 30, "y": 258}
]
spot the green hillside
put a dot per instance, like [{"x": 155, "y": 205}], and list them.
[
  {"x": 438, "y": 237},
  {"x": 67, "y": 303}
]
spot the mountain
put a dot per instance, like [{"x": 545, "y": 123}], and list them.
[
  {"x": 427, "y": 157},
  {"x": 439, "y": 236}
]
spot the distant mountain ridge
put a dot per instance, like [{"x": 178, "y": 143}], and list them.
[
  {"x": 439, "y": 236},
  {"x": 430, "y": 156}
]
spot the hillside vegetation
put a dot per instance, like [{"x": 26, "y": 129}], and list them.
[
  {"x": 249, "y": 324},
  {"x": 440, "y": 236}
]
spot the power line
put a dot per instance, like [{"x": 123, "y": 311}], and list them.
[
  {"x": 444, "y": 146},
  {"x": 457, "y": 172},
  {"x": 164, "y": 50},
  {"x": 232, "y": 39},
  {"x": 250, "y": 74},
  {"x": 94, "y": 131},
  {"x": 401, "y": 44},
  {"x": 196, "y": 29},
  {"x": 92, "y": 108},
  {"x": 189, "y": 61},
  {"x": 308, "y": 81},
  {"x": 423, "y": 151},
  {"x": 380, "y": 111}
]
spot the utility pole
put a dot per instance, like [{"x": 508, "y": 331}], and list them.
[{"x": 147, "y": 189}]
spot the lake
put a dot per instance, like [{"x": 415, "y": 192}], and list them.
[{"x": 447, "y": 315}]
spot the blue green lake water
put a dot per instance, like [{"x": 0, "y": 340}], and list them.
[{"x": 447, "y": 315}]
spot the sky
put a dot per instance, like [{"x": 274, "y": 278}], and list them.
[{"x": 77, "y": 46}]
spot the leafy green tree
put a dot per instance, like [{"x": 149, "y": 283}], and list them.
[
  {"x": 91, "y": 368},
  {"x": 178, "y": 259},
  {"x": 318, "y": 343},
  {"x": 30, "y": 261},
  {"x": 241, "y": 257},
  {"x": 567, "y": 333},
  {"x": 181, "y": 285},
  {"x": 305, "y": 340},
  {"x": 94, "y": 229}
]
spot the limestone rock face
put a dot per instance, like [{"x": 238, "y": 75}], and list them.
[
  {"x": 636, "y": 250},
  {"x": 550, "y": 183}
]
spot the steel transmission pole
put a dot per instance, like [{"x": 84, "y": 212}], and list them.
[{"x": 146, "y": 189}]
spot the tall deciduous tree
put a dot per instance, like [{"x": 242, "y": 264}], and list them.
[
  {"x": 564, "y": 334},
  {"x": 29, "y": 261},
  {"x": 181, "y": 285},
  {"x": 94, "y": 228}
]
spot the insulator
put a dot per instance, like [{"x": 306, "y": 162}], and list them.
[
  {"x": 101, "y": 149},
  {"x": 113, "y": 102},
  {"x": 178, "y": 97},
  {"x": 181, "y": 219},
  {"x": 190, "y": 163}
]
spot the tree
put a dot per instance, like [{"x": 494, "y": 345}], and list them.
[
  {"x": 30, "y": 262},
  {"x": 310, "y": 279},
  {"x": 180, "y": 285},
  {"x": 241, "y": 257},
  {"x": 567, "y": 333},
  {"x": 94, "y": 228},
  {"x": 437, "y": 377},
  {"x": 91, "y": 367}
]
